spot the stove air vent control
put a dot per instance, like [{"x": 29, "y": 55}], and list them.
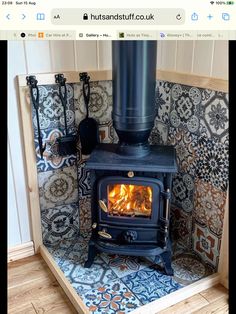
[{"x": 129, "y": 236}]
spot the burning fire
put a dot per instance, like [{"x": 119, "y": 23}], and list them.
[{"x": 131, "y": 200}]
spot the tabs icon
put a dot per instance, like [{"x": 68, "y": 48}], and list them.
[{"x": 225, "y": 16}]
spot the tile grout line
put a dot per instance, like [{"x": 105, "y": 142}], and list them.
[
  {"x": 34, "y": 307},
  {"x": 131, "y": 291}
]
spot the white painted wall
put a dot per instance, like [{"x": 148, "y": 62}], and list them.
[
  {"x": 208, "y": 58},
  {"x": 18, "y": 213}
]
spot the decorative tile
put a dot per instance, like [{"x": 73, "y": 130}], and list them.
[
  {"x": 159, "y": 133},
  {"x": 85, "y": 279},
  {"x": 100, "y": 105},
  {"x": 67, "y": 244},
  {"x": 115, "y": 138},
  {"x": 51, "y": 247},
  {"x": 207, "y": 94},
  {"x": 149, "y": 285},
  {"x": 181, "y": 226},
  {"x": 188, "y": 268},
  {"x": 206, "y": 244},
  {"x": 84, "y": 180},
  {"x": 163, "y": 100},
  {"x": 215, "y": 116},
  {"x": 212, "y": 162},
  {"x": 112, "y": 298},
  {"x": 71, "y": 250},
  {"x": 80, "y": 157},
  {"x": 59, "y": 256},
  {"x": 60, "y": 222},
  {"x": 182, "y": 191},
  {"x": 78, "y": 250},
  {"x": 107, "y": 132},
  {"x": 51, "y": 159},
  {"x": 178, "y": 248},
  {"x": 185, "y": 144},
  {"x": 58, "y": 187},
  {"x": 51, "y": 113},
  {"x": 85, "y": 213},
  {"x": 124, "y": 265},
  {"x": 185, "y": 107},
  {"x": 209, "y": 205}
]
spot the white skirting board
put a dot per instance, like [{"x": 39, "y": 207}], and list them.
[{"x": 20, "y": 251}]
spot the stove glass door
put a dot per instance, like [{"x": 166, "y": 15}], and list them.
[{"x": 129, "y": 200}]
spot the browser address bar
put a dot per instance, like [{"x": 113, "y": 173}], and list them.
[{"x": 74, "y": 16}]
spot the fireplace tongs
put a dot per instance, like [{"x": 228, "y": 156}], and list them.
[{"x": 34, "y": 92}]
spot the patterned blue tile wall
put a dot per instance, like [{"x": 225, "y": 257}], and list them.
[
  {"x": 192, "y": 119},
  {"x": 195, "y": 121},
  {"x": 57, "y": 176}
]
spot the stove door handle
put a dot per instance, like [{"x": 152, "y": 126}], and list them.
[
  {"x": 104, "y": 234},
  {"x": 103, "y": 206}
]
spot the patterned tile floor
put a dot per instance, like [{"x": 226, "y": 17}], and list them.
[{"x": 118, "y": 284}]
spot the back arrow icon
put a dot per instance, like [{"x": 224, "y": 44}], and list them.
[
  {"x": 23, "y": 16},
  {"x": 8, "y": 16}
]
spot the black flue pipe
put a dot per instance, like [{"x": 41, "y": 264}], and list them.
[{"x": 134, "y": 82}]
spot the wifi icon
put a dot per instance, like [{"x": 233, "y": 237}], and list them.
[{"x": 212, "y": 2}]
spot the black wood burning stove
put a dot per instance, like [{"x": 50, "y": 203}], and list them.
[{"x": 131, "y": 181}]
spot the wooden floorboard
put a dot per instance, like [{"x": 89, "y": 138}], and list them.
[
  {"x": 30, "y": 270},
  {"x": 33, "y": 289},
  {"x": 214, "y": 293},
  {"x": 22, "y": 309},
  {"x": 220, "y": 306},
  {"x": 191, "y": 304},
  {"x": 212, "y": 300}
]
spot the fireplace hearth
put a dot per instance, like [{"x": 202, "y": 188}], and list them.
[{"x": 131, "y": 181}]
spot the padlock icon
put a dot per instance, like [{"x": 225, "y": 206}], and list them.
[{"x": 85, "y": 16}]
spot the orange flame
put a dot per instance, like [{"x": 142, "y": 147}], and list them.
[{"x": 129, "y": 200}]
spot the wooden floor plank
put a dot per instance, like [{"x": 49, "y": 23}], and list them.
[
  {"x": 55, "y": 303},
  {"x": 32, "y": 291},
  {"x": 22, "y": 309},
  {"x": 24, "y": 261},
  {"x": 219, "y": 306},
  {"x": 29, "y": 271},
  {"x": 191, "y": 304},
  {"x": 214, "y": 293},
  {"x": 32, "y": 288}
]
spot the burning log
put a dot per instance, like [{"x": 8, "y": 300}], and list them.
[{"x": 130, "y": 200}]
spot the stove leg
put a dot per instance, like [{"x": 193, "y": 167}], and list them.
[
  {"x": 92, "y": 252},
  {"x": 166, "y": 258}
]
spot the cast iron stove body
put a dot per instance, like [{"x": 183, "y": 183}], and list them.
[
  {"x": 131, "y": 181},
  {"x": 131, "y": 233}
]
